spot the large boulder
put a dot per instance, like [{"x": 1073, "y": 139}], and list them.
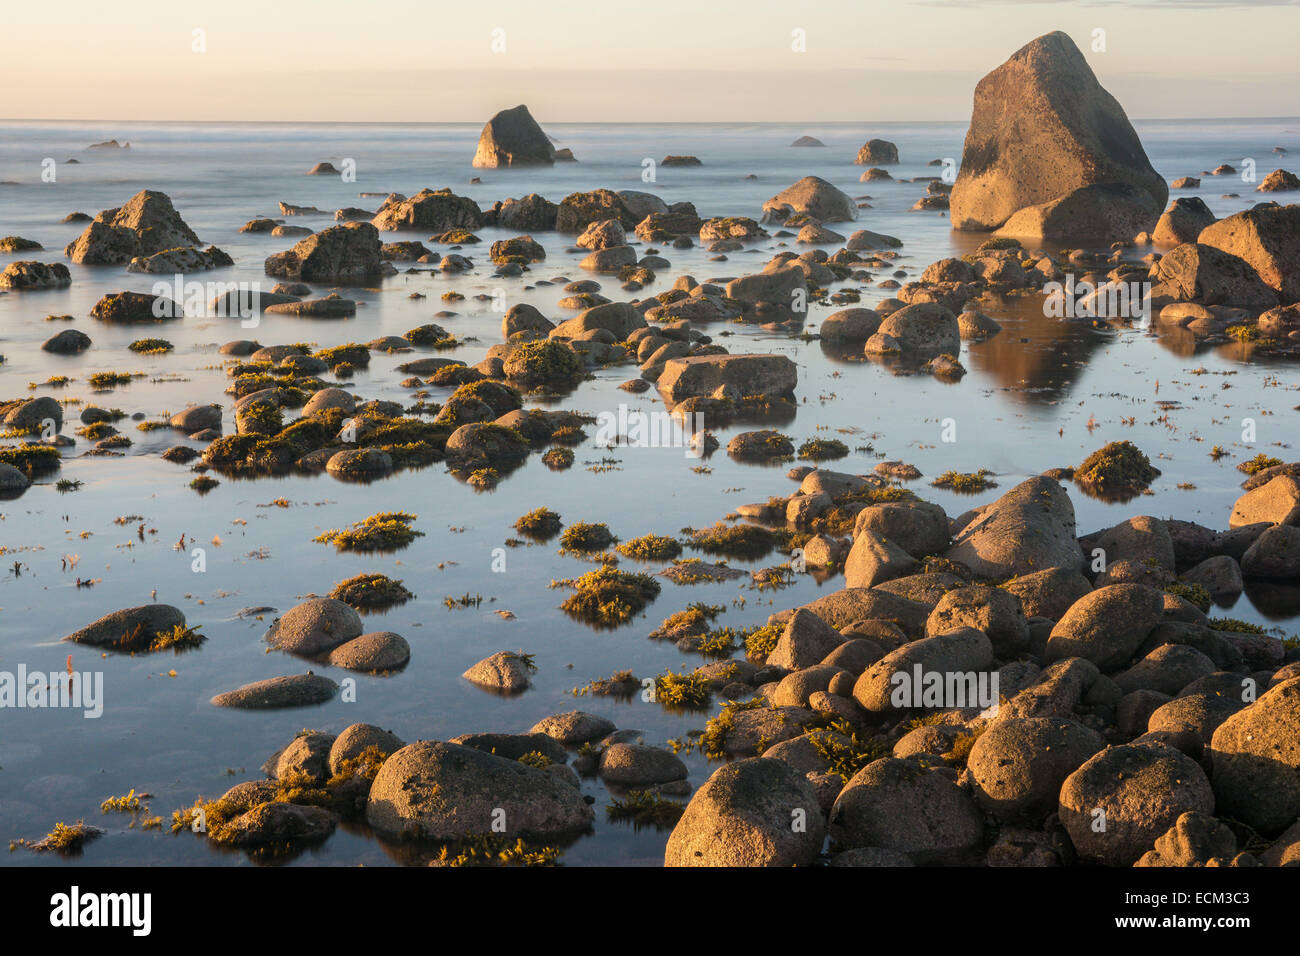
[
  {"x": 1194, "y": 272},
  {"x": 918, "y": 527},
  {"x": 1275, "y": 555},
  {"x": 992, "y": 610},
  {"x": 702, "y": 375},
  {"x": 849, "y": 325},
  {"x": 532, "y": 213},
  {"x": 315, "y": 627},
  {"x": 1107, "y": 626},
  {"x": 619, "y": 318},
  {"x": 805, "y": 642},
  {"x": 30, "y": 275},
  {"x": 901, "y": 680},
  {"x": 1098, "y": 212},
  {"x": 874, "y": 559},
  {"x": 1256, "y": 758},
  {"x": 513, "y": 138},
  {"x": 1117, "y": 804},
  {"x": 877, "y": 152},
  {"x": 1276, "y": 502},
  {"x": 577, "y": 211},
  {"x": 922, "y": 330},
  {"x": 31, "y": 416},
  {"x": 432, "y": 210},
  {"x": 1183, "y": 221},
  {"x": 340, "y": 255},
  {"x": 777, "y": 287},
  {"x": 1048, "y": 593},
  {"x": 1030, "y": 528},
  {"x": 811, "y": 196},
  {"x": 1043, "y": 127},
  {"x": 147, "y": 224},
  {"x": 899, "y": 805},
  {"x": 1267, "y": 236},
  {"x": 753, "y": 812},
  {"x": 1017, "y": 766},
  {"x": 430, "y": 790}
]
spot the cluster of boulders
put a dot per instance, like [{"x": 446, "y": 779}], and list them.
[{"x": 1082, "y": 708}]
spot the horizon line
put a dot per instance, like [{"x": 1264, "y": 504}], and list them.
[{"x": 648, "y": 122}]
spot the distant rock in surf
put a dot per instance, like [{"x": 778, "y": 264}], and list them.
[{"x": 513, "y": 138}]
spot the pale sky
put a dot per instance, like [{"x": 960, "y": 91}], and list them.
[{"x": 626, "y": 60}]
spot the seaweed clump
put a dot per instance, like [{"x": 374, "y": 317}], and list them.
[
  {"x": 1115, "y": 472},
  {"x": 607, "y": 597},
  {"x": 386, "y": 531},
  {"x": 371, "y": 592}
]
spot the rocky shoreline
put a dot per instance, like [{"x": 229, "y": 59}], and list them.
[{"x": 987, "y": 688}]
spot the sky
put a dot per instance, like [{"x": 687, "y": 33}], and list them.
[{"x": 626, "y": 60}]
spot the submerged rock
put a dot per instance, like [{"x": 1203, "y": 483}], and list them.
[
  {"x": 298, "y": 690},
  {"x": 119, "y": 627}
]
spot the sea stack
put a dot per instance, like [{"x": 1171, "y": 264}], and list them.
[
  {"x": 1051, "y": 154},
  {"x": 513, "y": 138}
]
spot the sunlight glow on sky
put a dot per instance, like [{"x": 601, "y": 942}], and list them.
[{"x": 578, "y": 60}]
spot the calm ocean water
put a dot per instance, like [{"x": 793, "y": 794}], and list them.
[{"x": 1024, "y": 407}]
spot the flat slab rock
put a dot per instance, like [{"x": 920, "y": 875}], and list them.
[
  {"x": 111, "y": 628},
  {"x": 297, "y": 690}
]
